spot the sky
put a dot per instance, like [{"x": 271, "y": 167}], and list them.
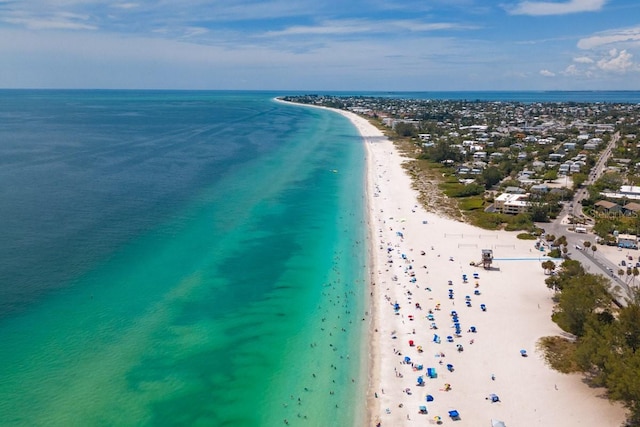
[{"x": 333, "y": 45}]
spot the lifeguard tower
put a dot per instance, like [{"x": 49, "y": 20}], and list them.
[{"x": 487, "y": 258}]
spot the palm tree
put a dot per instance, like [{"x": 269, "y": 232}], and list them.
[
  {"x": 594, "y": 248},
  {"x": 548, "y": 266}
]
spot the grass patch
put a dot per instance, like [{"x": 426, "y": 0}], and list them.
[
  {"x": 559, "y": 353},
  {"x": 471, "y": 203},
  {"x": 526, "y": 236},
  {"x": 486, "y": 220}
]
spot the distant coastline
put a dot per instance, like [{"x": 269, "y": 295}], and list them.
[{"x": 525, "y": 96}]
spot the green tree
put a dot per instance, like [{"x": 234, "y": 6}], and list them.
[
  {"x": 578, "y": 179},
  {"x": 491, "y": 176},
  {"x": 548, "y": 266},
  {"x": 405, "y": 129},
  {"x": 581, "y": 299}
]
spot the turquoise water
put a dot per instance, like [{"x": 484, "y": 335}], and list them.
[{"x": 179, "y": 258}]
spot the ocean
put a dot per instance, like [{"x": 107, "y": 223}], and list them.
[
  {"x": 179, "y": 258},
  {"x": 186, "y": 258}
]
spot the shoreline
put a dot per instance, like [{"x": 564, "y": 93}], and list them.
[
  {"x": 403, "y": 235},
  {"x": 519, "y": 309}
]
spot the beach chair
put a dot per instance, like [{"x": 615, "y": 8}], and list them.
[
  {"x": 420, "y": 380},
  {"x": 473, "y": 329},
  {"x": 464, "y": 278},
  {"x": 476, "y": 276},
  {"x": 476, "y": 292},
  {"x": 468, "y": 303},
  {"x": 450, "y": 367},
  {"x": 523, "y": 353},
  {"x": 483, "y": 307},
  {"x": 436, "y": 339},
  {"x": 455, "y": 415},
  {"x": 449, "y": 338},
  {"x": 431, "y": 373},
  {"x": 494, "y": 398}
]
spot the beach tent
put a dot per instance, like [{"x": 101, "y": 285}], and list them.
[
  {"x": 431, "y": 372},
  {"x": 420, "y": 380},
  {"x": 423, "y": 409},
  {"x": 429, "y": 398},
  {"x": 455, "y": 415},
  {"x": 494, "y": 398},
  {"x": 496, "y": 423}
]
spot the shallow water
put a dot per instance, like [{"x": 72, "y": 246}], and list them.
[{"x": 193, "y": 258}]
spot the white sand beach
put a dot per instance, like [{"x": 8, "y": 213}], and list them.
[{"x": 416, "y": 255}]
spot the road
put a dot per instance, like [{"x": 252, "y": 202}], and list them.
[{"x": 590, "y": 260}]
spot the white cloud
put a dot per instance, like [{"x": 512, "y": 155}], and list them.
[
  {"x": 552, "y": 8},
  {"x": 571, "y": 70},
  {"x": 583, "y": 60},
  {"x": 352, "y": 26},
  {"x": 49, "y": 24},
  {"x": 625, "y": 35},
  {"x": 125, "y": 5},
  {"x": 617, "y": 62},
  {"x": 547, "y": 73}
]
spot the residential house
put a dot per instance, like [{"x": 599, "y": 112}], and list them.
[
  {"x": 631, "y": 208},
  {"x": 508, "y": 203},
  {"x": 606, "y": 206}
]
